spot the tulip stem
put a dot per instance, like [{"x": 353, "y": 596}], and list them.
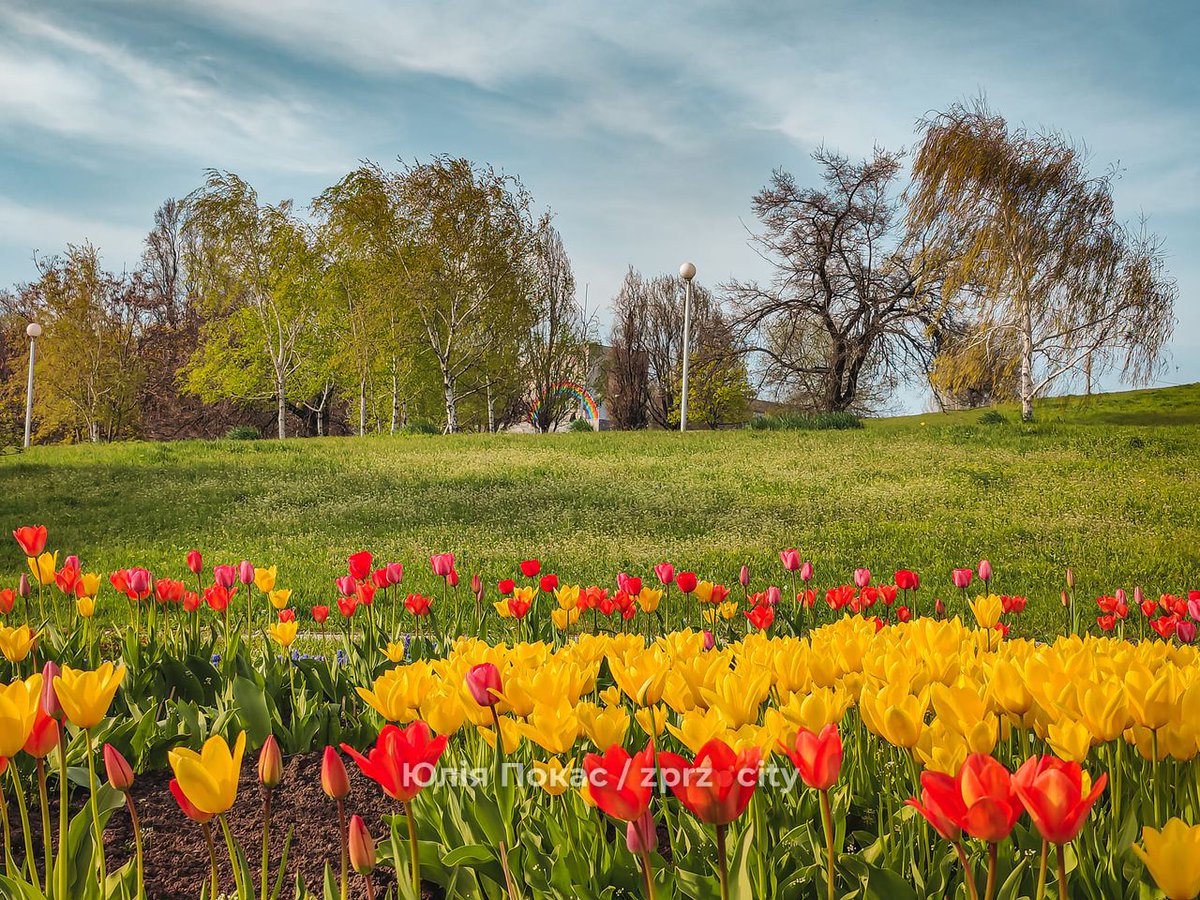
[
  {"x": 1041, "y": 882},
  {"x": 648, "y": 871},
  {"x": 827, "y": 821},
  {"x": 137, "y": 843},
  {"x": 30, "y": 859},
  {"x": 63, "y": 845},
  {"x": 412, "y": 845},
  {"x": 968, "y": 873},
  {"x": 344, "y": 840},
  {"x": 233, "y": 857},
  {"x": 990, "y": 889},
  {"x": 8, "y": 860},
  {"x": 722, "y": 862},
  {"x": 99, "y": 832},
  {"x": 212, "y": 856},
  {"x": 266, "y": 843},
  {"x": 1062, "y": 871},
  {"x": 44, "y": 800}
]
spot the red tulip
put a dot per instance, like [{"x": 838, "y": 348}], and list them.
[
  {"x": 987, "y": 792},
  {"x": 818, "y": 758},
  {"x": 334, "y": 780},
  {"x": 806, "y": 571},
  {"x": 452, "y": 578},
  {"x": 719, "y": 593},
  {"x": 1185, "y": 631},
  {"x": 941, "y": 804},
  {"x": 361, "y": 847},
  {"x": 903, "y": 613},
  {"x": 686, "y": 581},
  {"x": 761, "y": 617},
  {"x": 364, "y": 593},
  {"x": 506, "y": 586},
  {"x": 665, "y": 573},
  {"x": 44, "y": 736},
  {"x": 887, "y": 593},
  {"x": 518, "y": 608},
  {"x": 1106, "y": 623},
  {"x": 417, "y": 604},
  {"x": 530, "y": 567},
  {"x": 379, "y": 578},
  {"x": 1149, "y": 608},
  {"x": 629, "y": 584},
  {"x": 790, "y": 560},
  {"x": 402, "y": 760},
  {"x": 1052, "y": 791},
  {"x": 962, "y": 578},
  {"x": 287, "y": 615},
  {"x": 224, "y": 576},
  {"x": 66, "y": 577},
  {"x": 939, "y": 606},
  {"x": 718, "y": 786},
  {"x": 117, "y": 769},
  {"x": 907, "y": 580},
  {"x": 483, "y": 682},
  {"x": 31, "y": 538},
  {"x": 190, "y": 601},
  {"x": 442, "y": 563},
  {"x": 186, "y": 805},
  {"x": 1165, "y": 626},
  {"x": 347, "y": 605},
  {"x": 195, "y": 562},
  {"x": 320, "y": 614},
  {"x": 548, "y": 583},
  {"x": 218, "y": 596},
  {"x": 7, "y": 598},
  {"x": 621, "y": 784}
]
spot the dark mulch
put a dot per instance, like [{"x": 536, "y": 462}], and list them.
[{"x": 176, "y": 860}]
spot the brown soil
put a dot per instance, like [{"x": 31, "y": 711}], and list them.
[{"x": 176, "y": 860}]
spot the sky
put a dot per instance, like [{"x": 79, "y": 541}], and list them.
[{"x": 645, "y": 128}]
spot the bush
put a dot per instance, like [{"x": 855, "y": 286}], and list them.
[
  {"x": 580, "y": 425},
  {"x": 420, "y": 426},
  {"x": 825, "y": 421},
  {"x": 243, "y": 433},
  {"x": 993, "y": 417}
]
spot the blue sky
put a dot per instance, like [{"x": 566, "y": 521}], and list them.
[{"x": 645, "y": 127}]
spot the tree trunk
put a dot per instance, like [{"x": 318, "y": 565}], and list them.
[
  {"x": 395, "y": 398},
  {"x": 491, "y": 410},
  {"x": 281, "y": 410},
  {"x": 362, "y": 407},
  {"x": 451, "y": 405},
  {"x": 1026, "y": 363}
]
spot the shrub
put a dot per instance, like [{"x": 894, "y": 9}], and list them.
[
  {"x": 580, "y": 425},
  {"x": 823, "y": 421},
  {"x": 993, "y": 417},
  {"x": 243, "y": 433},
  {"x": 420, "y": 426}
]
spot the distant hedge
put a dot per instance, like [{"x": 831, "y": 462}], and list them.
[{"x": 825, "y": 421}]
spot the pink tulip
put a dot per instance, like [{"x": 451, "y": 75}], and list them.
[
  {"x": 665, "y": 573},
  {"x": 23, "y": 586},
  {"x": 985, "y": 570},
  {"x": 774, "y": 596},
  {"x": 1194, "y": 605},
  {"x": 630, "y": 584},
  {"x": 71, "y": 562},
  {"x": 443, "y": 564},
  {"x": 790, "y": 559},
  {"x": 346, "y": 585},
  {"x": 476, "y": 585},
  {"x": 50, "y": 704},
  {"x": 195, "y": 562},
  {"x": 862, "y": 578},
  {"x": 806, "y": 571},
  {"x": 1121, "y": 597},
  {"x": 1185, "y": 631},
  {"x": 395, "y": 573},
  {"x": 939, "y": 607},
  {"x": 1138, "y": 595},
  {"x": 744, "y": 576},
  {"x": 224, "y": 576},
  {"x": 641, "y": 835},
  {"x": 709, "y": 640},
  {"x": 246, "y": 571},
  {"x": 139, "y": 581},
  {"x": 483, "y": 683},
  {"x": 962, "y": 578}
]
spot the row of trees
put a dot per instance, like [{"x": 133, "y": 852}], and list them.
[{"x": 434, "y": 291}]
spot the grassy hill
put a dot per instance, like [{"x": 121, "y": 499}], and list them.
[{"x": 1108, "y": 484}]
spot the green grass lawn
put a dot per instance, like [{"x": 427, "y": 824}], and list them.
[{"x": 1109, "y": 485}]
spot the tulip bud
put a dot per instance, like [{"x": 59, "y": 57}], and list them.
[
  {"x": 476, "y": 584},
  {"x": 774, "y": 596},
  {"x": 806, "y": 571},
  {"x": 641, "y": 836},
  {"x": 23, "y": 586},
  {"x": 862, "y": 577},
  {"x": 270, "y": 764},
  {"x": 1185, "y": 631},
  {"x": 49, "y": 700},
  {"x": 483, "y": 681},
  {"x": 1138, "y": 595},
  {"x": 334, "y": 780},
  {"x": 1066, "y": 601},
  {"x": 362, "y": 847},
  {"x": 939, "y": 607},
  {"x": 1070, "y": 579},
  {"x": 709, "y": 640},
  {"x": 1121, "y": 597},
  {"x": 246, "y": 571},
  {"x": 744, "y": 576},
  {"x": 985, "y": 570},
  {"x": 452, "y": 578},
  {"x": 195, "y": 562},
  {"x": 117, "y": 769},
  {"x": 71, "y": 562}
]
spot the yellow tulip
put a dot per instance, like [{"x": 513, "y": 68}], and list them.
[
  {"x": 86, "y": 695},
  {"x": 1105, "y": 709},
  {"x": 611, "y": 696},
  {"x": 44, "y": 567},
  {"x": 445, "y": 711},
  {"x": 86, "y": 606},
  {"x": 987, "y": 610},
  {"x": 395, "y": 651},
  {"x": 502, "y": 609},
  {"x": 1173, "y": 858},
  {"x": 703, "y": 591},
  {"x": 603, "y": 727},
  {"x": 397, "y": 693},
  {"x": 264, "y": 580},
  {"x": 18, "y": 709},
  {"x": 508, "y": 728},
  {"x": 16, "y": 643},
  {"x": 697, "y": 728},
  {"x": 209, "y": 779},
  {"x": 280, "y": 598},
  {"x": 553, "y": 727},
  {"x": 1070, "y": 740},
  {"x": 284, "y": 633},
  {"x": 641, "y": 675},
  {"x": 553, "y": 777},
  {"x": 649, "y": 598},
  {"x": 652, "y": 717},
  {"x": 564, "y": 618},
  {"x": 89, "y": 584},
  {"x": 567, "y": 596}
]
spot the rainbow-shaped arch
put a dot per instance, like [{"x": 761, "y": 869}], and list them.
[{"x": 590, "y": 411}]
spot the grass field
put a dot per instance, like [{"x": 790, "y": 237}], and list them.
[{"x": 1108, "y": 485}]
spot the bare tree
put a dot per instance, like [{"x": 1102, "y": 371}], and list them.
[
  {"x": 1031, "y": 246},
  {"x": 846, "y": 304},
  {"x": 627, "y": 369}
]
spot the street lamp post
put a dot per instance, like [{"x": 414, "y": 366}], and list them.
[
  {"x": 34, "y": 331},
  {"x": 687, "y": 272}
]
